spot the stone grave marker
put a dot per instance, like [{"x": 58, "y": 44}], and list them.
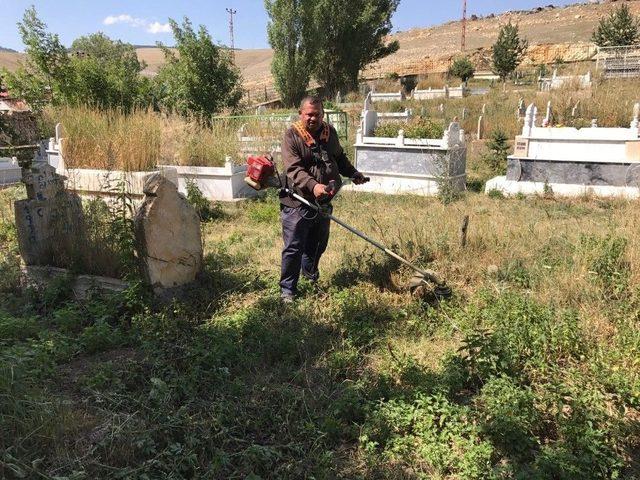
[
  {"x": 50, "y": 221},
  {"x": 168, "y": 236}
]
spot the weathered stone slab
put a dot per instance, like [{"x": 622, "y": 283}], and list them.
[
  {"x": 168, "y": 236},
  {"x": 81, "y": 285},
  {"x": 50, "y": 222},
  {"x": 579, "y": 173},
  {"x": 42, "y": 181}
]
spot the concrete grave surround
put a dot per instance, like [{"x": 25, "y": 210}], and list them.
[
  {"x": 216, "y": 183},
  {"x": 401, "y": 165},
  {"x": 556, "y": 82},
  {"x": 447, "y": 92},
  {"x": 598, "y": 161},
  {"x": 386, "y": 97},
  {"x": 168, "y": 236},
  {"x": 92, "y": 182},
  {"x": 10, "y": 171}
]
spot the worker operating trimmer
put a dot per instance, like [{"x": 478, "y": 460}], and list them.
[{"x": 313, "y": 161}]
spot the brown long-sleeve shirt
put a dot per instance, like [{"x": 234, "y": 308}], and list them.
[{"x": 303, "y": 169}]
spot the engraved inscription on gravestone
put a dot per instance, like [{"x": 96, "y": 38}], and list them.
[
  {"x": 521, "y": 147},
  {"x": 49, "y": 220}
]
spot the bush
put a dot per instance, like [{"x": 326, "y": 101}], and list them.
[
  {"x": 498, "y": 146},
  {"x": 462, "y": 68},
  {"x": 207, "y": 210}
]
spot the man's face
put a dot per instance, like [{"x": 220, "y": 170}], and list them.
[{"x": 311, "y": 117}]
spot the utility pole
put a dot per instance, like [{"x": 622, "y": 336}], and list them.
[
  {"x": 231, "y": 12},
  {"x": 463, "y": 43}
]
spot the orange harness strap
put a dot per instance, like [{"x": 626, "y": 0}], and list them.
[{"x": 306, "y": 136}]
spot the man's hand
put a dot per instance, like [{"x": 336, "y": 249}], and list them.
[
  {"x": 319, "y": 190},
  {"x": 359, "y": 179}
]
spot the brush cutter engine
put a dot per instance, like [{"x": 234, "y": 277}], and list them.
[{"x": 260, "y": 171}]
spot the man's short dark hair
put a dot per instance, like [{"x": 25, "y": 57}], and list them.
[{"x": 311, "y": 99}]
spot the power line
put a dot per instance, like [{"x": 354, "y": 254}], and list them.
[{"x": 231, "y": 13}]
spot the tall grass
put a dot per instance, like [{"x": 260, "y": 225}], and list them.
[
  {"x": 140, "y": 140},
  {"x": 109, "y": 139},
  {"x": 190, "y": 143}
]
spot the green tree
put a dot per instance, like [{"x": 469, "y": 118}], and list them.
[
  {"x": 352, "y": 35},
  {"x": 201, "y": 79},
  {"x": 46, "y": 73},
  {"x": 107, "y": 72},
  {"x": 619, "y": 28},
  {"x": 462, "y": 68},
  {"x": 293, "y": 37},
  {"x": 508, "y": 51}
]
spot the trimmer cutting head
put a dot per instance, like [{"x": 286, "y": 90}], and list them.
[{"x": 441, "y": 290}]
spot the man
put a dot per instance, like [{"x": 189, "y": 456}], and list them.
[{"x": 312, "y": 158}]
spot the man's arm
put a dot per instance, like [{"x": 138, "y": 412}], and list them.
[{"x": 293, "y": 165}]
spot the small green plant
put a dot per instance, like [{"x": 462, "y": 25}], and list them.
[
  {"x": 495, "y": 194},
  {"x": 498, "y": 146},
  {"x": 207, "y": 211}
]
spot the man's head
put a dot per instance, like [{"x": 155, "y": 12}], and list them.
[{"x": 311, "y": 113}]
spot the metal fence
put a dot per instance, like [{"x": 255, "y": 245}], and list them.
[
  {"x": 619, "y": 62},
  {"x": 274, "y": 125}
]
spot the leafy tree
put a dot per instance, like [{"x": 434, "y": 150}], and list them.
[
  {"x": 352, "y": 36},
  {"x": 462, "y": 68},
  {"x": 103, "y": 72},
  {"x": 293, "y": 37},
  {"x": 620, "y": 28},
  {"x": 508, "y": 51},
  {"x": 46, "y": 73},
  {"x": 201, "y": 78},
  {"x": 107, "y": 72}
]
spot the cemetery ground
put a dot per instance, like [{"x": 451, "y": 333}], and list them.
[{"x": 530, "y": 371}]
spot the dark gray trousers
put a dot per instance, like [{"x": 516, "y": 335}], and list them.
[{"x": 306, "y": 235}]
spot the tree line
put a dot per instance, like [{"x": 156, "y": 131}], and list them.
[
  {"x": 197, "y": 78},
  {"x": 330, "y": 41}
]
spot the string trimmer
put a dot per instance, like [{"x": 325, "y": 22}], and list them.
[{"x": 262, "y": 173}]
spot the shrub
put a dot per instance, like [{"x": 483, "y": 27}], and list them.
[
  {"x": 462, "y": 68},
  {"x": 207, "y": 210},
  {"x": 498, "y": 146}
]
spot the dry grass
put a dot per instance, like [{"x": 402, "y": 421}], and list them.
[
  {"x": 141, "y": 140},
  {"x": 109, "y": 139},
  {"x": 434, "y": 81}
]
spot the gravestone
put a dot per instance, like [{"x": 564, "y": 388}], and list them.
[
  {"x": 49, "y": 222},
  {"x": 575, "y": 110},
  {"x": 480, "y": 127},
  {"x": 522, "y": 109},
  {"x": 168, "y": 236}
]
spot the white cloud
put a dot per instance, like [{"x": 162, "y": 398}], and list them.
[
  {"x": 157, "y": 27},
  {"x": 151, "y": 27}
]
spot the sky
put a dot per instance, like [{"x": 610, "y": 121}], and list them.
[{"x": 145, "y": 22}]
